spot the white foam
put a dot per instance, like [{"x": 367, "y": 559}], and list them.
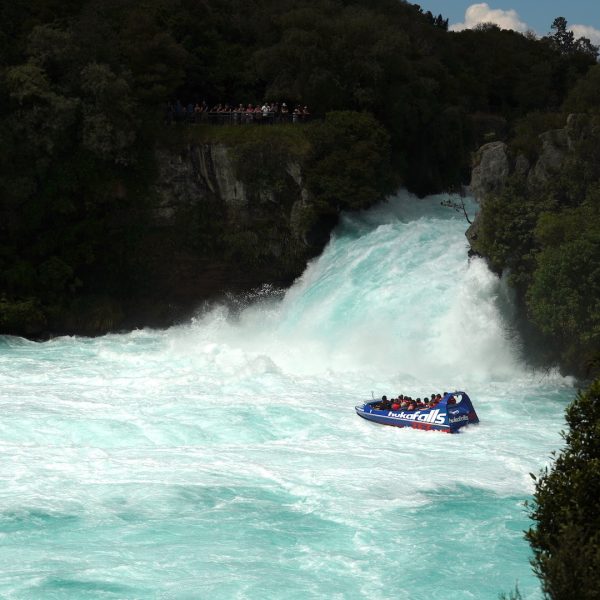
[{"x": 250, "y": 413}]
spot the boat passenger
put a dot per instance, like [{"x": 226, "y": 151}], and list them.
[
  {"x": 385, "y": 403},
  {"x": 395, "y": 405}
]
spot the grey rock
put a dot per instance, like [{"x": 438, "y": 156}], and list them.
[
  {"x": 522, "y": 165},
  {"x": 555, "y": 145},
  {"x": 194, "y": 175},
  {"x": 577, "y": 127},
  {"x": 472, "y": 232},
  {"x": 490, "y": 171}
]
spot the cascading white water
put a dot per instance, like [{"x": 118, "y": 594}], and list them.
[{"x": 223, "y": 458}]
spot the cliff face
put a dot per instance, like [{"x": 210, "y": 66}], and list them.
[
  {"x": 539, "y": 224},
  {"x": 210, "y": 233},
  {"x": 233, "y": 209},
  {"x": 491, "y": 167},
  {"x": 495, "y": 163},
  {"x": 206, "y": 212},
  {"x": 207, "y": 176},
  {"x": 194, "y": 176}
]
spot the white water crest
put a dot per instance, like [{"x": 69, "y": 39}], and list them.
[{"x": 223, "y": 459}]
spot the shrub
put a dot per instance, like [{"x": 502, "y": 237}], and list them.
[
  {"x": 349, "y": 164},
  {"x": 566, "y": 535}
]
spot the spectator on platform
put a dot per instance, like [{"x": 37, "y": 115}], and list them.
[
  {"x": 169, "y": 113},
  {"x": 179, "y": 111},
  {"x": 265, "y": 112}
]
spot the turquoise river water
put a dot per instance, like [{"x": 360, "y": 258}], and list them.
[{"x": 222, "y": 459}]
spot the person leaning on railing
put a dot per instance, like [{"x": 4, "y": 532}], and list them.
[{"x": 268, "y": 112}]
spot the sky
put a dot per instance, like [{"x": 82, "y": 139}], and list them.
[{"x": 582, "y": 15}]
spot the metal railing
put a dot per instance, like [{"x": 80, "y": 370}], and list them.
[{"x": 238, "y": 118}]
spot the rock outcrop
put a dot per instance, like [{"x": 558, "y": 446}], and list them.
[
  {"x": 555, "y": 145},
  {"x": 491, "y": 168},
  {"x": 194, "y": 176},
  {"x": 494, "y": 163},
  {"x": 214, "y": 233},
  {"x": 204, "y": 175}
]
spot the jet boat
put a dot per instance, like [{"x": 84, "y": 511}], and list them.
[{"x": 455, "y": 410}]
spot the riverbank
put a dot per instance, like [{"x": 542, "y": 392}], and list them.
[{"x": 227, "y": 209}]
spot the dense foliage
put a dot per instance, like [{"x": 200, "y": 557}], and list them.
[
  {"x": 349, "y": 161},
  {"x": 566, "y": 534},
  {"x": 83, "y": 85},
  {"x": 547, "y": 234}
]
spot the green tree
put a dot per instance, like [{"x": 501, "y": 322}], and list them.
[
  {"x": 332, "y": 57},
  {"x": 566, "y": 534},
  {"x": 584, "y": 97},
  {"x": 562, "y": 39},
  {"x": 348, "y": 167},
  {"x": 109, "y": 113},
  {"x": 563, "y": 298}
]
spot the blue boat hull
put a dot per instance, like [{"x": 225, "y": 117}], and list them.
[{"x": 451, "y": 414}]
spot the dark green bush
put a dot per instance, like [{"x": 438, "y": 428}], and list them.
[
  {"x": 348, "y": 167},
  {"x": 566, "y": 535}
]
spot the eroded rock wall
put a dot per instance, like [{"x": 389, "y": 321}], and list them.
[
  {"x": 211, "y": 233},
  {"x": 495, "y": 163}
]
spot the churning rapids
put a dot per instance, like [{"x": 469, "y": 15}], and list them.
[{"x": 223, "y": 459}]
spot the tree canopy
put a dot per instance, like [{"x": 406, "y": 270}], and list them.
[
  {"x": 565, "y": 536},
  {"x": 83, "y": 85}
]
